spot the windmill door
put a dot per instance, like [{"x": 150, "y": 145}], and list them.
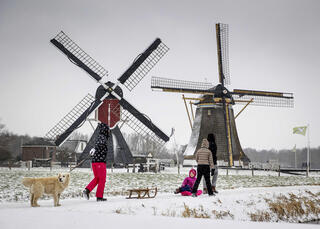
[{"x": 107, "y": 112}]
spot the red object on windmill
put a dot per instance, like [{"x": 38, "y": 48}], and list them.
[{"x": 109, "y": 112}]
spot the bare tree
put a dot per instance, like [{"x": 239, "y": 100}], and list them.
[
  {"x": 79, "y": 136},
  {"x": 145, "y": 145}
]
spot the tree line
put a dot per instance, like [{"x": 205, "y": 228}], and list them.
[
  {"x": 285, "y": 157},
  {"x": 10, "y": 149},
  {"x": 10, "y": 145}
]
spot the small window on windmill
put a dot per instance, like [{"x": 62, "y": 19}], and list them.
[{"x": 209, "y": 112}]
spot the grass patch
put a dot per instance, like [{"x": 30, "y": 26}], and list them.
[
  {"x": 222, "y": 214},
  {"x": 168, "y": 212},
  {"x": 289, "y": 208},
  {"x": 194, "y": 212}
]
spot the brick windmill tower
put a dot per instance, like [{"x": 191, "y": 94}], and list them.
[{"x": 214, "y": 112}]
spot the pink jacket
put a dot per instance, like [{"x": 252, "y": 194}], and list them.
[{"x": 190, "y": 180}]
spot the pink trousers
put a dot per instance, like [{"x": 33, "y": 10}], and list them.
[{"x": 100, "y": 172}]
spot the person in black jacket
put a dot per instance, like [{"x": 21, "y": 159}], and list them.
[
  {"x": 214, "y": 172},
  {"x": 99, "y": 157}
]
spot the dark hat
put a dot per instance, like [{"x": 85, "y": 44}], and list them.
[{"x": 211, "y": 137}]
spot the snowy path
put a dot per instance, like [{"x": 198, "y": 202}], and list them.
[{"x": 163, "y": 211}]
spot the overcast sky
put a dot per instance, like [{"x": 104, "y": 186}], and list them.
[{"x": 274, "y": 45}]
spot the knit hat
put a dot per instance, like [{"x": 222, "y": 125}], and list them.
[{"x": 205, "y": 143}]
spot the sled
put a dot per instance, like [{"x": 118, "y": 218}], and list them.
[
  {"x": 187, "y": 193},
  {"x": 143, "y": 193}
]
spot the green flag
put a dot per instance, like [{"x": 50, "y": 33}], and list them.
[{"x": 300, "y": 130}]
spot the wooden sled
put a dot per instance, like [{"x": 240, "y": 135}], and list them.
[{"x": 143, "y": 193}]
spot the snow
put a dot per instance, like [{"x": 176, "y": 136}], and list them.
[
  {"x": 228, "y": 209},
  {"x": 193, "y": 141},
  {"x": 120, "y": 212},
  {"x": 92, "y": 215}
]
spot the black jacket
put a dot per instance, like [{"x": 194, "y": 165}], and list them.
[
  {"x": 213, "y": 149},
  {"x": 101, "y": 146}
]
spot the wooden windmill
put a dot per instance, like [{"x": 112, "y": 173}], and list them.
[
  {"x": 109, "y": 100},
  {"x": 214, "y": 113}
]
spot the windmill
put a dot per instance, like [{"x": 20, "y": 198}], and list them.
[
  {"x": 214, "y": 113},
  {"x": 109, "y": 100}
]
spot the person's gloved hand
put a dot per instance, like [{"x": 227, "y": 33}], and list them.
[
  {"x": 212, "y": 172},
  {"x": 92, "y": 152}
]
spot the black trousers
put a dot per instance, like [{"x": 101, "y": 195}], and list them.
[{"x": 203, "y": 170}]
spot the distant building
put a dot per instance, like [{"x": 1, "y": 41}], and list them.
[
  {"x": 140, "y": 158},
  {"x": 43, "y": 150},
  {"x": 38, "y": 149},
  {"x": 167, "y": 162}
]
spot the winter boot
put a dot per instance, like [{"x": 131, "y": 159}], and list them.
[
  {"x": 194, "y": 194},
  {"x": 177, "y": 191},
  {"x": 101, "y": 199},
  {"x": 205, "y": 190},
  {"x": 214, "y": 189},
  {"x": 85, "y": 193}
]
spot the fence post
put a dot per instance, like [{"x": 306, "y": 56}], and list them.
[
  {"x": 279, "y": 171},
  {"x": 28, "y": 165},
  {"x": 252, "y": 172}
]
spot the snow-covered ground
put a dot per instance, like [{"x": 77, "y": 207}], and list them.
[
  {"x": 119, "y": 181},
  {"x": 241, "y": 199}
]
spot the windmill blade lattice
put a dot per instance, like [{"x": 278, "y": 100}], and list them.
[
  {"x": 70, "y": 118},
  {"x": 181, "y": 86},
  {"x": 224, "y": 42},
  {"x": 137, "y": 122},
  {"x": 264, "y": 98},
  {"x": 78, "y": 56},
  {"x": 143, "y": 64}
]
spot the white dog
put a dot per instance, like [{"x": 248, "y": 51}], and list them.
[{"x": 48, "y": 185}]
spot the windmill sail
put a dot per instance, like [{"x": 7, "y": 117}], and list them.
[
  {"x": 181, "y": 86},
  {"x": 264, "y": 98},
  {"x": 143, "y": 64},
  {"x": 61, "y": 131},
  {"x": 222, "y": 32},
  {"x": 138, "y": 122},
  {"x": 78, "y": 56}
]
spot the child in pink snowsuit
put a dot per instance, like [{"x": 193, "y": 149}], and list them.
[{"x": 188, "y": 182}]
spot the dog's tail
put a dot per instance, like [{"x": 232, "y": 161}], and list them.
[{"x": 27, "y": 181}]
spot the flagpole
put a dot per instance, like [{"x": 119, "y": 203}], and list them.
[
  {"x": 308, "y": 151},
  {"x": 295, "y": 157}
]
